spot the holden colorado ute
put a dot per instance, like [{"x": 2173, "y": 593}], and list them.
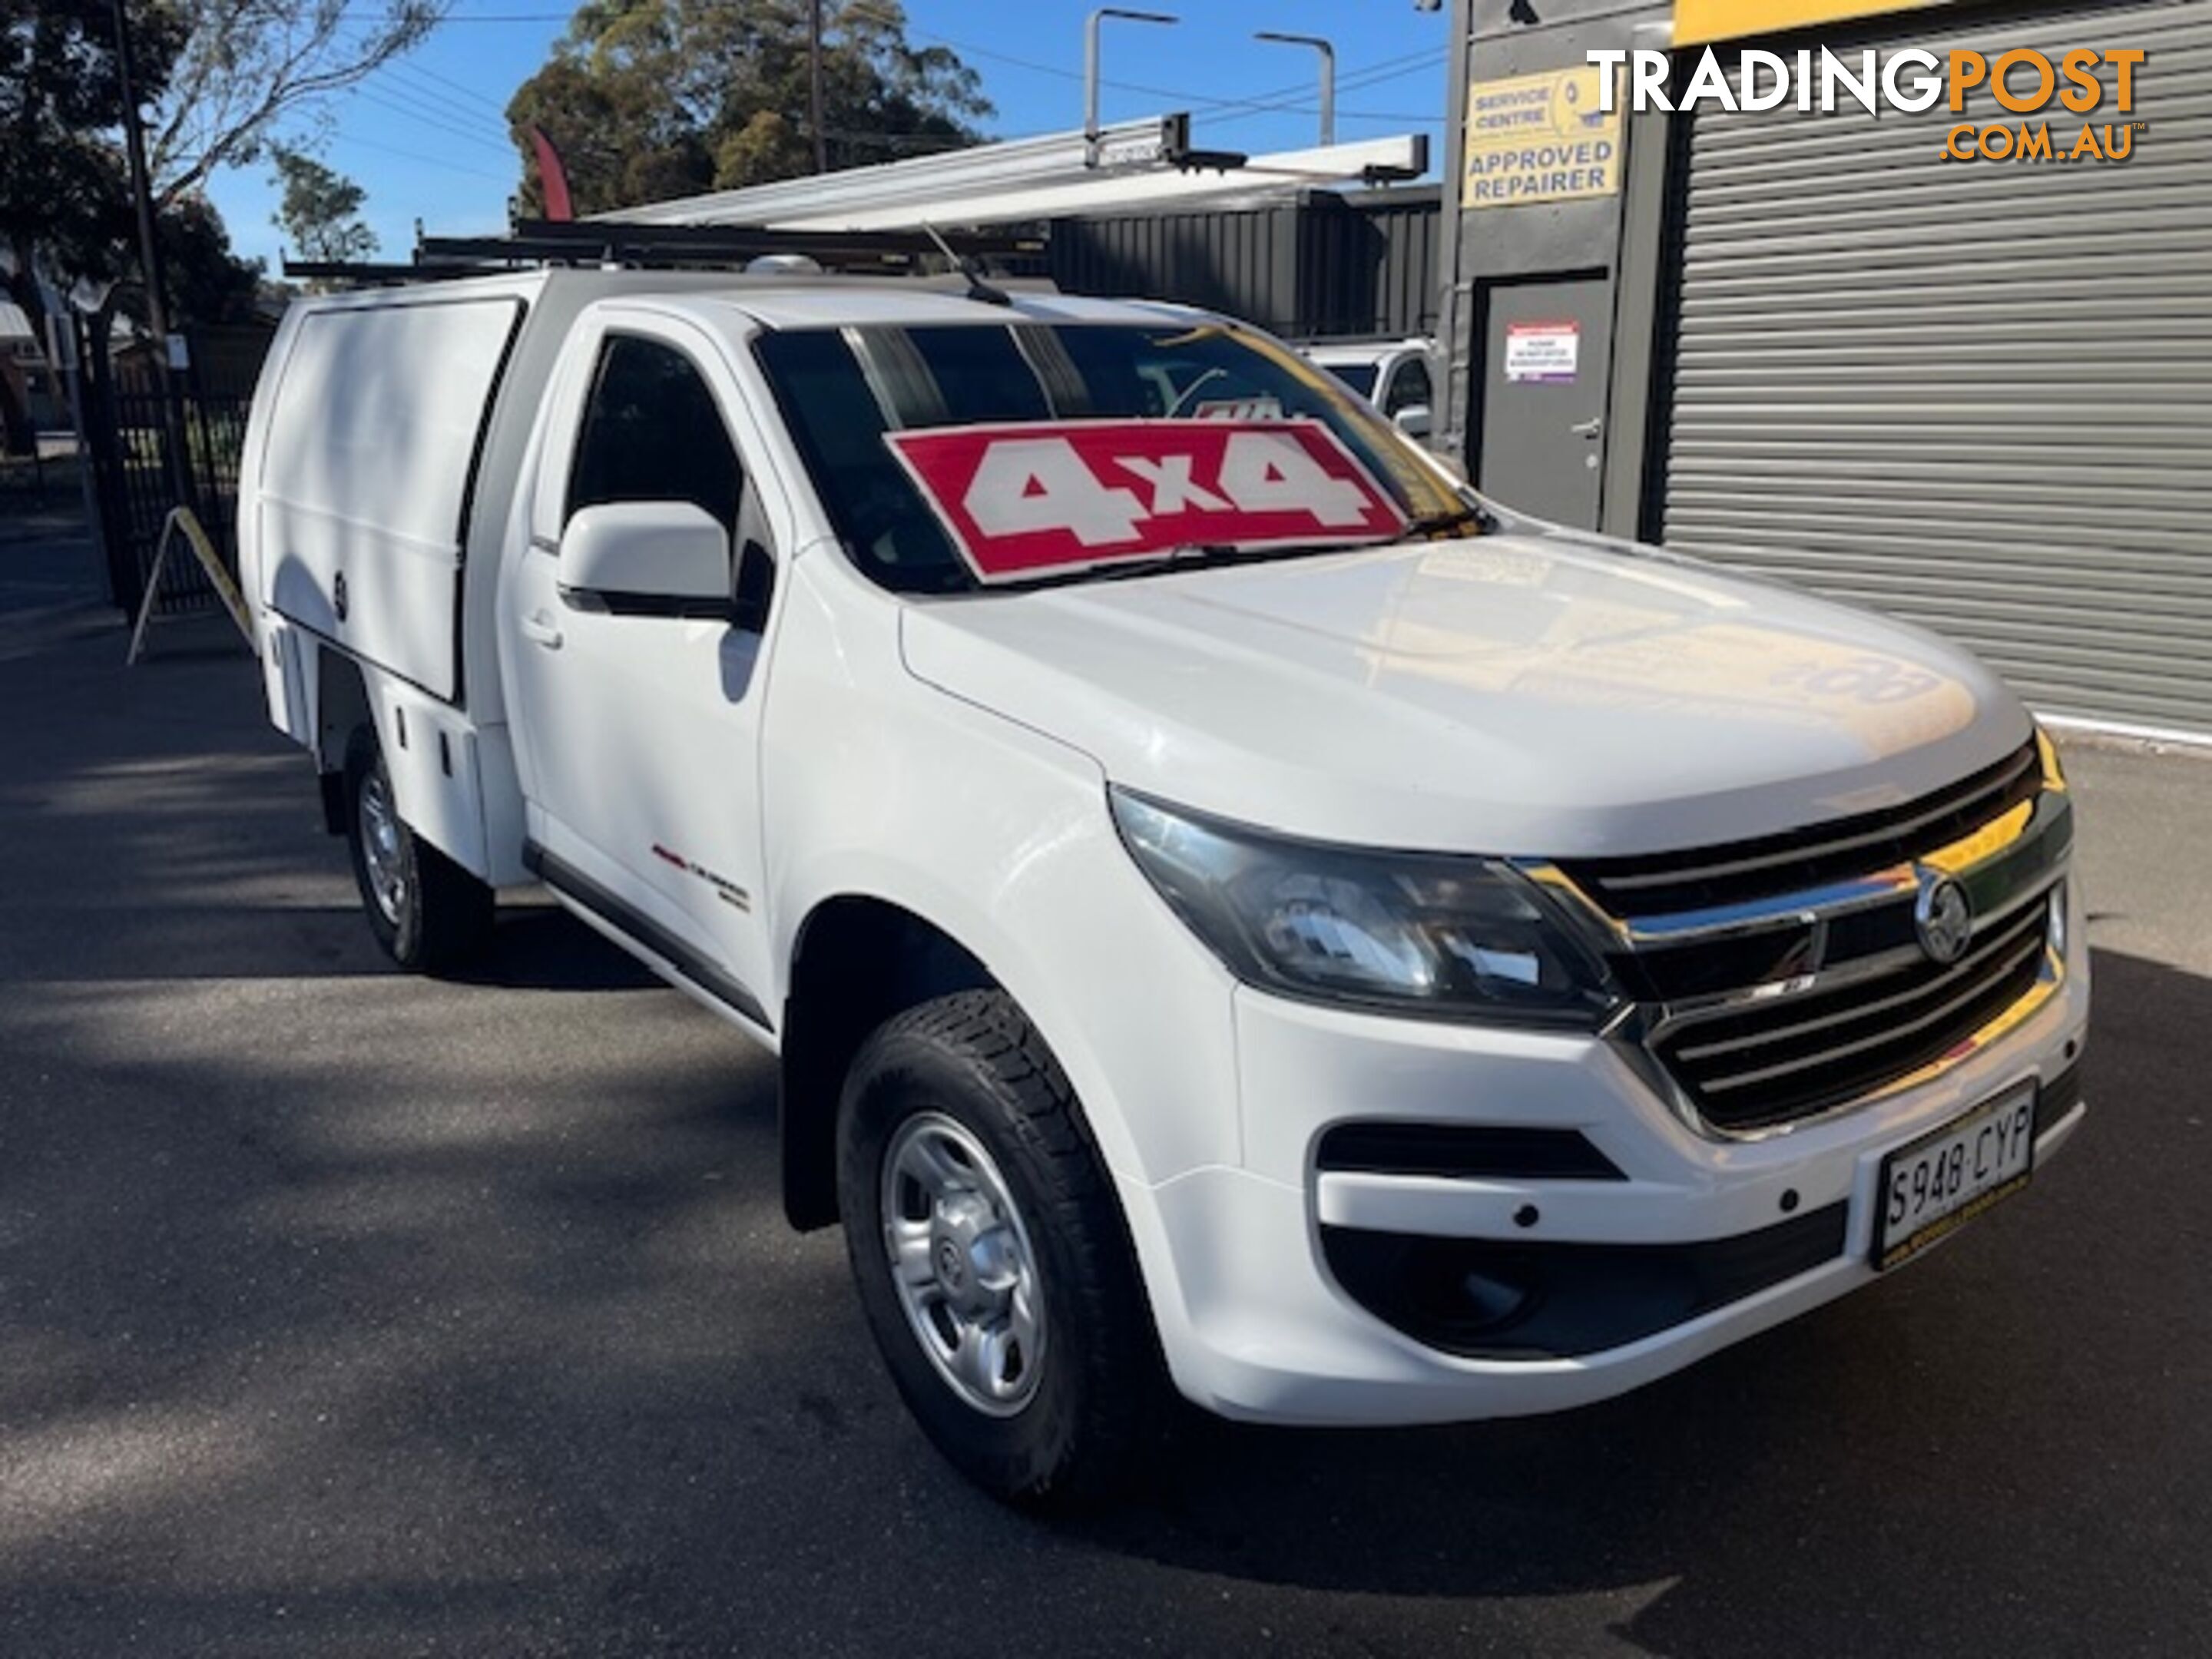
[{"x": 1237, "y": 912}]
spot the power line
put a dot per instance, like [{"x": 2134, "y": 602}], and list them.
[
  {"x": 1281, "y": 99},
  {"x": 1373, "y": 77},
  {"x": 415, "y": 114},
  {"x": 429, "y": 106},
  {"x": 399, "y": 65},
  {"x": 427, "y": 160},
  {"x": 1195, "y": 102}
]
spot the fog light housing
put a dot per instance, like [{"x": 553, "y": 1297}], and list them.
[
  {"x": 1490, "y": 1302},
  {"x": 2055, "y": 928}
]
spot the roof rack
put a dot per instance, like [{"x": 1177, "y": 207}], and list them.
[
  {"x": 598, "y": 243},
  {"x": 618, "y": 242}
]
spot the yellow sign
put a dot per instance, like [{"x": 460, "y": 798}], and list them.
[
  {"x": 1697, "y": 22},
  {"x": 182, "y": 520},
  {"x": 1539, "y": 138}
]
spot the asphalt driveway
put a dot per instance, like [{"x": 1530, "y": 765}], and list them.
[{"x": 347, "y": 1313}]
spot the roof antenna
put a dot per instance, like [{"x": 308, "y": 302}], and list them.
[{"x": 978, "y": 290}]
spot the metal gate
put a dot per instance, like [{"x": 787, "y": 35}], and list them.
[
  {"x": 128, "y": 444},
  {"x": 1976, "y": 394}
]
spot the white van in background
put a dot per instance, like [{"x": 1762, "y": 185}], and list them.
[
  {"x": 1235, "y": 911},
  {"x": 1401, "y": 378}
]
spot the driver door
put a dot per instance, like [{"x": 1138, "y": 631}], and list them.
[{"x": 638, "y": 710}]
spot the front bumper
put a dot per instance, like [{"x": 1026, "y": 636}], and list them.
[{"x": 1266, "y": 1318}]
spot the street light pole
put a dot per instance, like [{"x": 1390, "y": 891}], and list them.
[
  {"x": 814, "y": 84},
  {"x": 1328, "y": 51},
  {"x": 149, "y": 258},
  {"x": 1091, "y": 67}
]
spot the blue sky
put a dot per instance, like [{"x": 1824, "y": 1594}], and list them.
[{"x": 426, "y": 139}]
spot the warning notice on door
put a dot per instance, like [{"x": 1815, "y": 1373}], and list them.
[
  {"x": 1540, "y": 353},
  {"x": 1539, "y": 138}
]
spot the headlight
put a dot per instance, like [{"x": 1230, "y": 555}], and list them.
[{"x": 1458, "y": 937}]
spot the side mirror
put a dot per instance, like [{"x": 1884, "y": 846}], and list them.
[
  {"x": 656, "y": 557},
  {"x": 1413, "y": 420}
]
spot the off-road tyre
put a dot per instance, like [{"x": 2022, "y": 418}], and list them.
[
  {"x": 1100, "y": 1401},
  {"x": 428, "y": 913}
]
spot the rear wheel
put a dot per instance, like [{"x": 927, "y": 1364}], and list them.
[
  {"x": 991, "y": 1257},
  {"x": 427, "y": 911}
]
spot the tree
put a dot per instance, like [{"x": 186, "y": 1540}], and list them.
[
  {"x": 244, "y": 65},
  {"x": 205, "y": 281},
  {"x": 650, "y": 99},
  {"x": 320, "y": 212},
  {"x": 216, "y": 76},
  {"x": 63, "y": 207}
]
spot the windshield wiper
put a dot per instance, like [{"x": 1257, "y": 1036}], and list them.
[
  {"x": 1194, "y": 556},
  {"x": 1473, "y": 516}
]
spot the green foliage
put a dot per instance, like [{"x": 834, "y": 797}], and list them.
[
  {"x": 206, "y": 282},
  {"x": 62, "y": 190},
  {"x": 650, "y": 99},
  {"x": 64, "y": 193},
  {"x": 320, "y": 213},
  {"x": 212, "y": 77}
]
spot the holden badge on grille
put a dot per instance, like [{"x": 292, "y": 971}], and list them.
[{"x": 1943, "y": 918}]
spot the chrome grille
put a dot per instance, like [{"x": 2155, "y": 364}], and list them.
[
  {"x": 1778, "y": 980},
  {"x": 1800, "y": 860},
  {"x": 1786, "y": 1058}
]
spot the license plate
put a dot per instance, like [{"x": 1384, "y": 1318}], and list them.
[{"x": 1931, "y": 1188}]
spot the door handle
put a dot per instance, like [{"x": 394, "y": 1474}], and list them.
[
  {"x": 1589, "y": 429},
  {"x": 541, "y": 632}
]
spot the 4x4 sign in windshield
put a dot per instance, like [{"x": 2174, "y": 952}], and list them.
[{"x": 1031, "y": 498}]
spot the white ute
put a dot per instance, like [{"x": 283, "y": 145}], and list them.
[
  {"x": 1234, "y": 909},
  {"x": 1398, "y": 376}
]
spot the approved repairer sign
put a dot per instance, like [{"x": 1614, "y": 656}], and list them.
[{"x": 1548, "y": 138}]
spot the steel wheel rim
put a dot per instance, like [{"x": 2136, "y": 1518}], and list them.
[
  {"x": 379, "y": 848},
  {"x": 961, "y": 1264}
]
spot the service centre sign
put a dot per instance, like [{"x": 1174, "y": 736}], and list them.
[
  {"x": 1036, "y": 498},
  {"x": 1549, "y": 137}
]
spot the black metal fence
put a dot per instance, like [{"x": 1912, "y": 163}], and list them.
[{"x": 140, "y": 470}]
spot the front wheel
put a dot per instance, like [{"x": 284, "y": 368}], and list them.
[
  {"x": 992, "y": 1260},
  {"x": 427, "y": 911}
]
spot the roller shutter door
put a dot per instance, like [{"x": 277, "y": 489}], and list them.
[{"x": 1976, "y": 395}]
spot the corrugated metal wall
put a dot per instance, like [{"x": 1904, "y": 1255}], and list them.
[
  {"x": 1976, "y": 394},
  {"x": 1323, "y": 265},
  {"x": 1369, "y": 265}
]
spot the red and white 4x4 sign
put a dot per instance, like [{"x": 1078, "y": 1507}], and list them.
[{"x": 1032, "y": 498}]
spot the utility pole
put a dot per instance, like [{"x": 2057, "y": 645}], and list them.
[
  {"x": 149, "y": 259},
  {"x": 814, "y": 84},
  {"x": 1328, "y": 51}
]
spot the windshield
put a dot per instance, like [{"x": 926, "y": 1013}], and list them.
[
  {"x": 1360, "y": 377},
  {"x": 842, "y": 390}
]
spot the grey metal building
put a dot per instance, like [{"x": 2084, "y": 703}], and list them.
[
  {"x": 1976, "y": 393},
  {"x": 1306, "y": 264}
]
